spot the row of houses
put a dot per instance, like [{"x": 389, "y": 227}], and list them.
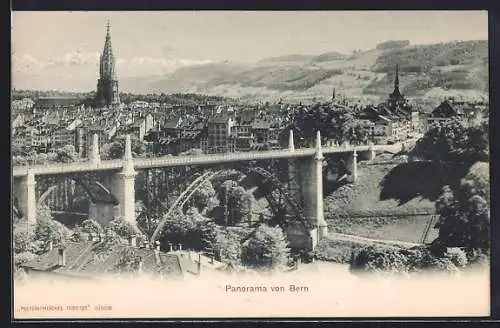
[
  {"x": 396, "y": 119},
  {"x": 95, "y": 258},
  {"x": 226, "y": 131},
  {"x": 169, "y": 129}
]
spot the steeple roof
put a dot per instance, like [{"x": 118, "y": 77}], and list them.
[
  {"x": 107, "y": 57},
  {"x": 396, "y": 94}
]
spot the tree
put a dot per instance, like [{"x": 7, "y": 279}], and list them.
[
  {"x": 236, "y": 200},
  {"x": 22, "y": 238},
  {"x": 49, "y": 230},
  {"x": 192, "y": 230},
  {"x": 88, "y": 226},
  {"x": 205, "y": 197},
  {"x": 123, "y": 228},
  {"x": 465, "y": 212},
  {"x": 144, "y": 220},
  {"x": 116, "y": 149},
  {"x": 454, "y": 146},
  {"x": 208, "y": 236},
  {"x": 66, "y": 154},
  {"x": 228, "y": 247},
  {"x": 455, "y": 141},
  {"x": 336, "y": 123},
  {"x": 266, "y": 248}
]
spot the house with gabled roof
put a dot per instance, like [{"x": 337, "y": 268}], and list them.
[
  {"x": 443, "y": 112},
  {"x": 97, "y": 259}
]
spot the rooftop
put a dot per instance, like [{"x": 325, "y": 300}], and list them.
[{"x": 90, "y": 258}]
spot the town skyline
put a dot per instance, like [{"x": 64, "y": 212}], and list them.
[{"x": 69, "y": 43}]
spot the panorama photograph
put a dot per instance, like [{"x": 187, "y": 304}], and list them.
[{"x": 233, "y": 164}]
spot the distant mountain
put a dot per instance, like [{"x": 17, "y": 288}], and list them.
[
  {"x": 425, "y": 71},
  {"x": 393, "y": 44},
  {"x": 287, "y": 58}
]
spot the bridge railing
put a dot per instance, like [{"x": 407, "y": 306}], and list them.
[{"x": 193, "y": 159}]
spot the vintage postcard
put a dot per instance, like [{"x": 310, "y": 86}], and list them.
[{"x": 224, "y": 164}]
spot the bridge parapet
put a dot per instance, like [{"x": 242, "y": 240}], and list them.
[{"x": 142, "y": 163}]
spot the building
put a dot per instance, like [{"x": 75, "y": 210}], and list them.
[
  {"x": 383, "y": 126},
  {"x": 396, "y": 98},
  {"x": 260, "y": 130},
  {"x": 18, "y": 121},
  {"x": 103, "y": 132},
  {"x": 107, "y": 85},
  {"x": 62, "y": 137},
  {"x": 88, "y": 259},
  {"x": 141, "y": 126},
  {"x": 449, "y": 109},
  {"x": 192, "y": 139},
  {"x": 49, "y": 104},
  {"x": 219, "y": 134}
]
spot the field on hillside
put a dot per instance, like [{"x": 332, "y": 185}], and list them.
[
  {"x": 401, "y": 228},
  {"x": 388, "y": 201}
]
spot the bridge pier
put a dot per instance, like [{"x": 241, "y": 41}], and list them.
[
  {"x": 123, "y": 185},
  {"x": 95, "y": 157},
  {"x": 353, "y": 166},
  {"x": 291, "y": 145},
  {"x": 371, "y": 152},
  {"x": 26, "y": 195},
  {"x": 306, "y": 177}
]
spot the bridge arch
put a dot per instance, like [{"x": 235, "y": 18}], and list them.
[
  {"x": 95, "y": 191},
  {"x": 209, "y": 175},
  {"x": 16, "y": 212}
]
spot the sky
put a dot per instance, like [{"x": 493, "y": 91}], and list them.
[{"x": 146, "y": 43}]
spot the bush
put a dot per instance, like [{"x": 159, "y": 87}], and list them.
[
  {"x": 50, "y": 230},
  {"x": 20, "y": 258},
  {"x": 123, "y": 228},
  {"x": 338, "y": 251},
  {"x": 443, "y": 265},
  {"x": 22, "y": 238},
  {"x": 371, "y": 259},
  {"x": 38, "y": 247},
  {"x": 112, "y": 237},
  {"x": 477, "y": 257},
  {"x": 457, "y": 256},
  {"x": 419, "y": 258},
  {"x": 403, "y": 261},
  {"x": 76, "y": 236},
  {"x": 91, "y": 227}
]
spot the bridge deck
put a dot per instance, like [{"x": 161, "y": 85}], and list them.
[{"x": 170, "y": 161}]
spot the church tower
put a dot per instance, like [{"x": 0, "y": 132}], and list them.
[
  {"x": 395, "y": 97},
  {"x": 107, "y": 85}
]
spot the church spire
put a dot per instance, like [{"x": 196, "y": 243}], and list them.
[
  {"x": 107, "y": 30},
  {"x": 396, "y": 80},
  {"x": 107, "y": 85},
  {"x": 107, "y": 57},
  {"x": 396, "y": 94}
]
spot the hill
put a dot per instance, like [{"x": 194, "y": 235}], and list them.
[
  {"x": 287, "y": 58},
  {"x": 429, "y": 71},
  {"x": 458, "y": 65}
]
